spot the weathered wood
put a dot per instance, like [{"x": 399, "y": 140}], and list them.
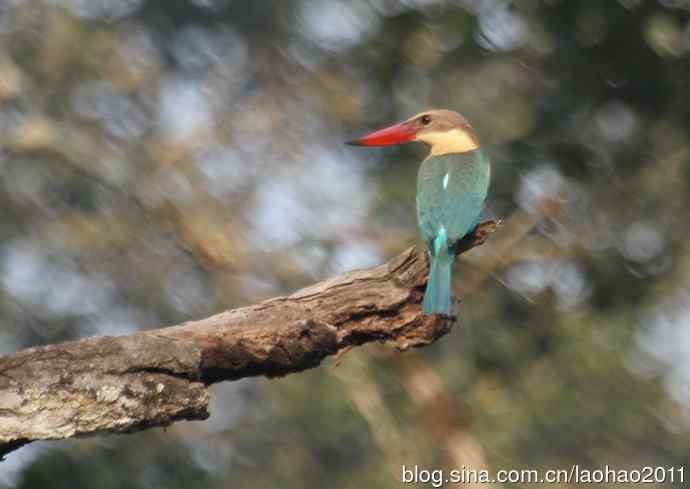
[{"x": 157, "y": 377}]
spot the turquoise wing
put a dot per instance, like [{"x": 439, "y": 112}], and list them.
[{"x": 451, "y": 191}]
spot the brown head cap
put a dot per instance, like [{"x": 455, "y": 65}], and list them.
[{"x": 447, "y": 132}]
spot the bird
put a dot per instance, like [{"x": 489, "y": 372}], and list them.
[{"x": 452, "y": 186}]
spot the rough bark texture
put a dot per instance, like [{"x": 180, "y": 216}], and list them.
[{"x": 156, "y": 377}]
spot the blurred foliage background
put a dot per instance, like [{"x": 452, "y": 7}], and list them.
[{"x": 164, "y": 160}]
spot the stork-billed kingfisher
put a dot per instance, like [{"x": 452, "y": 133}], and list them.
[{"x": 452, "y": 184}]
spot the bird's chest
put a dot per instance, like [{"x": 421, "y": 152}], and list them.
[{"x": 451, "y": 191}]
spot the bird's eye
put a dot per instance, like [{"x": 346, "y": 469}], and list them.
[{"x": 426, "y": 120}]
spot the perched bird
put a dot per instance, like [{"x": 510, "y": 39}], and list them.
[{"x": 452, "y": 184}]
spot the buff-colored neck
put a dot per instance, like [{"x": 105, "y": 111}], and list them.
[{"x": 455, "y": 141}]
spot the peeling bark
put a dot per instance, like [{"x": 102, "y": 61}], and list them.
[{"x": 156, "y": 377}]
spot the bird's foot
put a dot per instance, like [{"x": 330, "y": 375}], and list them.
[{"x": 478, "y": 235}]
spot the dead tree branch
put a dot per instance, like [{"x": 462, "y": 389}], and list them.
[{"x": 156, "y": 377}]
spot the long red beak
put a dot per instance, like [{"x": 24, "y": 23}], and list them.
[{"x": 403, "y": 132}]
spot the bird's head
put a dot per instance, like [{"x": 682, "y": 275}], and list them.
[{"x": 445, "y": 131}]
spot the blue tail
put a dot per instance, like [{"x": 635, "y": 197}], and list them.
[{"x": 437, "y": 296}]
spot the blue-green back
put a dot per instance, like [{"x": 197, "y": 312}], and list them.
[{"x": 451, "y": 190}]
